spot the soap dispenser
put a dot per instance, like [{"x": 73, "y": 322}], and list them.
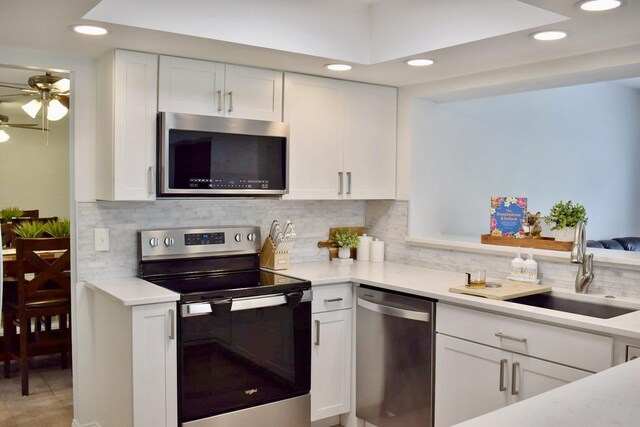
[
  {"x": 517, "y": 266},
  {"x": 531, "y": 267}
]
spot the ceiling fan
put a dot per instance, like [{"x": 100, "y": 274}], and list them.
[
  {"x": 48, "y": 90},
  {"x": 4, "y": 122}
]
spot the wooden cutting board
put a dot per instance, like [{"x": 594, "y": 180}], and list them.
[{"x": 509, "y": 289}]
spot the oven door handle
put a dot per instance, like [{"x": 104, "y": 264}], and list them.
[{"x": 239, "y": 304}]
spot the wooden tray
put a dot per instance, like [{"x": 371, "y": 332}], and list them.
[
  {"x": 543, "y": 243},
  {"x": 333, "y": 248},
  {"x": 509, "y": 289}
]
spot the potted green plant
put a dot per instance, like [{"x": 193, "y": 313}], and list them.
[
  {"x": 60, "y": 228},
  {"x": 7, "y": 214},
  {"x": 29, "y": 229},
  {"x": 563, "y": 218},
  {"x": 345, "y": 239}
]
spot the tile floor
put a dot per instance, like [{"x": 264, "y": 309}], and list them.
[{"x": 50, "y": 400}]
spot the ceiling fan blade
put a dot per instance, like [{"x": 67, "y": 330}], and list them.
[
  {"x": 26, "y": 126},
  {"x": 16, "y": 94},
  {"x": 64, "y": 100},
  {"x": 14, "y": 86},
  {"x": 62, "y": 85}
]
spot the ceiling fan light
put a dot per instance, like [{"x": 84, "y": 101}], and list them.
[
  {"x": 32, "y": 107},
  {"x": 4, "y": 137},
  {"x": 62, "y": 85},
  {"x": 56, "y": 110}
]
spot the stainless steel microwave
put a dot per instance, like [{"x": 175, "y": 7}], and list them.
[{"x": 219, "y": 156}]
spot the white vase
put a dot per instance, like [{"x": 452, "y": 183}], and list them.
[
  {"x": 344, "y": 253},
  {"x": 565, "y": 234}
]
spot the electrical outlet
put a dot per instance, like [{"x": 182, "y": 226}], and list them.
[{"x": 101, "y": 239}]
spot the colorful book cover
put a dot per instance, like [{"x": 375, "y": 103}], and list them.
[{"x": 506, "y": 216}]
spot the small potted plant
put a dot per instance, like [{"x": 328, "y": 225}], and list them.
[
  {"x": 563, "y": 218},
  {"x": 60, "y": 228},
  {"x": 29, "y": 229},
  {"x": 7, "y": 214},
  {"x": 345, "y": 239}
]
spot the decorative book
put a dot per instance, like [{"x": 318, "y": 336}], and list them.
[{"x": 506, "y": 216}]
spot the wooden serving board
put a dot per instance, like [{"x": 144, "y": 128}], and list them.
[
  {"x": 509, "y": 289},
  {"x": 333, "y": 248}
]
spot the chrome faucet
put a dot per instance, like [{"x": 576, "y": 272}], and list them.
[{"x": 579, "y": 256}]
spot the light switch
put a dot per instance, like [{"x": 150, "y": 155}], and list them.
[{"x": 101, "y": 239}]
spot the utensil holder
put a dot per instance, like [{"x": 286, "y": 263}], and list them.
[{"x": 270, "y": 259}]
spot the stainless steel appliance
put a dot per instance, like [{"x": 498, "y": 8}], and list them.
[
  {"x": 394, "y": 358},
  {"x": 244, "y": 334},
  {"x": 221, "y": 156}
]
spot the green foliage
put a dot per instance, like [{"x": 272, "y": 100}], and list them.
[
  {"x": 9, "y": 213},
  {"x": 29, "y": 229},
  {"x": 566, "y": 215},
  {"x": 345, "y": 238},
  {"x": 58, "y": 228}
]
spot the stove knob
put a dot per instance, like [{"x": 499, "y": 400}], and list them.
[
  {"x": 251, "y": 237},
  {"x": 238, "y": 237},
  {"x": 169, "y": 241},
  {"x": 154, "y": 241}
]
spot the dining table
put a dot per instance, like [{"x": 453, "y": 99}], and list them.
[{"x": 9, "y": 263}]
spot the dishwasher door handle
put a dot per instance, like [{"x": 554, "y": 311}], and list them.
[{"x": 420, "y": 316}]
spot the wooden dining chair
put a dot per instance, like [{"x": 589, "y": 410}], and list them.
[
  {"x": 45, "y": 293},
  {"x": 6, "y": 234},
  {"x": 34, "y": 213}
]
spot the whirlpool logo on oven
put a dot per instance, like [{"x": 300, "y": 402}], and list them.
[{"x": 251, "y": 391}]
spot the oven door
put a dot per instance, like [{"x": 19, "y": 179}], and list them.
[{"x": 244, "y": 352}]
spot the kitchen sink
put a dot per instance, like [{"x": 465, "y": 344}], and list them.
[{"x": 552, "y": 302}]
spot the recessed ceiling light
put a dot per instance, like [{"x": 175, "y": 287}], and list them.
[
  {"x": 338, "y": 67},
  {"x": 599, "y": 5},
  {"x": 419, "y": 62},
  {"x": 549, "y": 35},
  {"x": 90, "y": 30}
]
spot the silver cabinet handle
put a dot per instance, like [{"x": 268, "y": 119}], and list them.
[
  {"x": 317, "y": 341},
  {"x": 393, "y": 311},
  {"x": 503, "y": 365},
  {"x": 150, "y": 175},
  {"x": 219, "y": 101},
  {"x": 172, "y": 324},
  {"x": 348, "y": 182},
  {"x": 230, "y": 102},
  {"x": 333, "y": 300},
  {"x": 514, "y": 373},
  {"x": 510, "y": 337},
  {"x": 340, "y": 183}
]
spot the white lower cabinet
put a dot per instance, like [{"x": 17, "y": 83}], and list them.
[
  {"x": 485, "y": 361},
  {"x": 474, "y": 379},
  {"x": 331, "y": 351},
  {"x": 155, "y": 365}
]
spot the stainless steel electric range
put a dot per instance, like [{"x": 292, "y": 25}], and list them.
[{"x": 244, "y": 353}]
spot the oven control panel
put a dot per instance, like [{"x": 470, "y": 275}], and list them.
[{"x": 198, "y": 242}]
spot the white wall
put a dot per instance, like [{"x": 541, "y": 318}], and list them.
[
  {"x": 34, "y": 174},
  {"x": 579, "y": 143}
]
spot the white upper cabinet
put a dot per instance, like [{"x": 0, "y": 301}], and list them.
[
  {"x": 214, "y": 89},
  {"x": 342, "y": 140},
  {"x": 126, "y": 126}
]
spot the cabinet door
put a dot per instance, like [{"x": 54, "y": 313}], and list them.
[
  {"x": 535, "y": 376},
  {"x": 468, "y": 380},
  {"x": 370, "y": 150},
  {"x": 155, "y": 365},
  {"x": 253, "y": 93},
  {"x": 134, "y": 125},
  {"x": 316, "y": 111},
  {"x": 331, "y": 364},
  {"x": 191, "y": 86}
]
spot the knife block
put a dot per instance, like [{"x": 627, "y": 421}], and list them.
[{"x": 270, "y": 259}]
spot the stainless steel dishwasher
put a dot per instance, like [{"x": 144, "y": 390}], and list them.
[{"x": 394, "y": 358}]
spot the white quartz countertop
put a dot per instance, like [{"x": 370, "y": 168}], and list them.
[
  {"x": 436, "y": 283},
  {"x": 609, "y": 398},
  {"x": 133, "y": 291}
]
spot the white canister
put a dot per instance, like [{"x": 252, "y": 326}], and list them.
[
  {"x": 376, "y": 251},
  {"x": 362, "y": 253}
]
